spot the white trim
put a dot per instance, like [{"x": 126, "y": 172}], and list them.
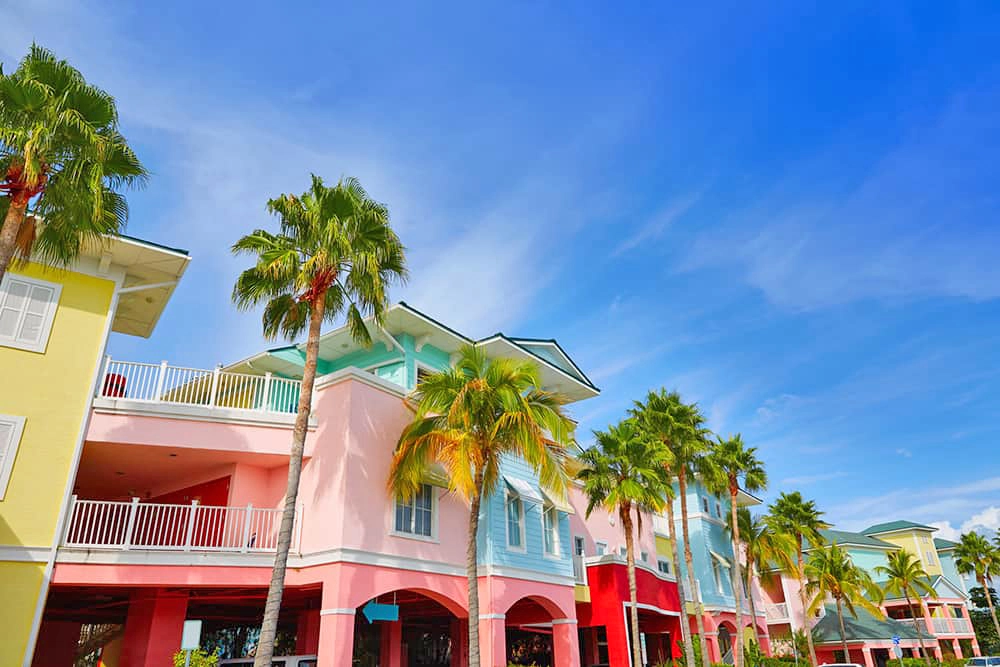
[
  {"x": 528, "y": 575},
  {"x": 537, "y": 358},
  {"x": 48, "y": 318},
  {"x": 556, "y": 553},
  {"x": 343, "y": 611},
  {"x": 597, "y": 547},
  {"x": 563, "y": 621},
  {"x": 492, "y": 617},
  {"x": 418, "y": 366},
  {"x": 9, "y": 449},
  {"x": 651, "y": 607},
  {"x": 125, "y": 406},
  {"x": 395, "y": 532},
  {"x": 20, "y": 554},
  {"x": 140, "y": 288}
]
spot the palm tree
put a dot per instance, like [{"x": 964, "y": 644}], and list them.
[
  {"x": 801, "y": 521},
  {"x": 624, "y": 472},
  {"x": 680, "y": 428},
  {"x": 732, "y": 461},
  {"x": 335, "y": 255},
  {"x": 976, "y": 556},
  {"x": 62, "y": 157},
  {"x": 906, "y": 576},
  {"x": 763, "y": 548},
  {"x": 831, "y": 573},
  {"x": 468, "y": 418}
]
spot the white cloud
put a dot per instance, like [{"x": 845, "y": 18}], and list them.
[
  {"x": 658, "y": 223},
  {"x": 904, "y": 452},
  {"x": 986, "y": 521}
]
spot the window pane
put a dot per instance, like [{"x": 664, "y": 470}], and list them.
[
  {"x": 40, "y": 297},
  {"x": 17, "y": 292},
  {"x": 514, "y": 522},
  {"x": 31, "y": 328},
  {"x": 549, "y": 519},
  {"x": 8, "y": 322},
  {"x": 404, "y": 516}
]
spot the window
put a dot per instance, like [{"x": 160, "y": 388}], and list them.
[
  {"x": 623, "y": 552},
  {"x": 515, "y": 522},
  {"x": 423, "y": 373},
  {"x": 27, "y": 308},
  {"x": 718, "y": 509},
  {"x": 704, "y": 504},
  {"x": 550, "y": 532},
  {"x": 10, "y": 437},
  {"x": 643, "y": 556},
  {"x": 929, "y": 557},
  {"x": 602, "y": 548},
  {"x": 578, "y": 546},
  {"x": 663, "y": 565},
  {"x": 416, "y": 517},
  {"x": 717, "y": 573}
]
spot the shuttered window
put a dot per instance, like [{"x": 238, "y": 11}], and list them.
[
  {"x": 27, "y": 308},
  {"x": 10, "y": 437}
]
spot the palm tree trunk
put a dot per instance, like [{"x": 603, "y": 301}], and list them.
[
  {"x": 8, "y": 233},
  {"x": 684, "y": 622},
  {"x": 738, "y": 581},
  {"x": 753, "y": 605},
  {"x": 843, "y": 633},
  {"x": 989, "y": 601},
  {"x": 626, "y": 516},
  {"x": 472, "y": 573},
  {"x": 269, "y": 627},
  {"x": 920, "y": 635},
  {"x": 801, "y": 576},
  {"x": 689, "y": 561}
]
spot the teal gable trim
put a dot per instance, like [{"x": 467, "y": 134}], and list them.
[{"x": 493, "y": 549}]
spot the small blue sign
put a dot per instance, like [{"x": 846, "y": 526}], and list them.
[
  {"x": 375, "y": 611},
  {"x": 895, "y": 640}
]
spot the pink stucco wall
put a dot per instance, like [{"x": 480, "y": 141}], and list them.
[{"x": 601, "y": 527}]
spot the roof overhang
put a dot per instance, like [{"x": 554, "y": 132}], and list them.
[
  {"x": 151, "y": 273},
  {"x": 553, "y": 377}
]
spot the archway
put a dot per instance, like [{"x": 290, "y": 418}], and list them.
[
  {"x": 726, "y": 642},
  {"x": 409, "y": 628},
  {"x": 529, "y": 632}
]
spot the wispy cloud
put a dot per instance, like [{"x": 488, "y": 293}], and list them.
[
  {"x": 904, "y": 452},
  {"x": 658, "y": 223},
  {"x": 808, "y": 480}
]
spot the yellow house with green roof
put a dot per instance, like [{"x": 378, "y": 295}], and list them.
[
  {"x": 54, "y": 328},
  {"x": 916, "y": 538}
]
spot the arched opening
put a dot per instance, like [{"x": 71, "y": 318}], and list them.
[
  {"x": 529, "y": 632},
  {"x": 726, "y": 642},
  {"x": 409, "y": 628}
]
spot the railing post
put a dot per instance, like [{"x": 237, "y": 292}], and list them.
[
  {"x": 130, "y": 524},
  {"x": 161, "y": 380},
  {"x": 190, "y": 526},
  {"x": 265, "y": 400},
  {"x": 69, "y": 520},
  {"x": 215, "y": 387},
  {"x": 103, "y": 380},
  {"x": 246, "y": 529}
]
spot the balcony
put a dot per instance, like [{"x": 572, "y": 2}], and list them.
[
  {"x": 125, "y": 526},
  {"x": 580, "y": 569},
  {"x": 917, "y": 623},
  {"x": 777, "y": 613},
  {"x": 961, "y": 626},
  {"x": 162, "y": 388}
]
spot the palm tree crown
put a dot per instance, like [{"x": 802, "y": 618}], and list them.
[
  {"x": 622, "y": 472},
  {"x": 732, "y": 461},
  {"x": 906, "y": 578},
  {"x": 62, "y": 154},
  {"x": 335, "y": 250},
  {"x": 976, "y": 556}
]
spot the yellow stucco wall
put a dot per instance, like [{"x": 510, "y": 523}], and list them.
[
  {"x": 912, "y": 541},
  {"x": 665, "y": 549},
  {"x": 51, "y": 391}
]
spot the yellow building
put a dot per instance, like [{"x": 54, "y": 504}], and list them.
[
  {"x": 54, "y": 326},
  {"x": 913, "y": 537}
]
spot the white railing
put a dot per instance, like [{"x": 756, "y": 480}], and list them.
[
  {"x": 962, "y": 626},
  {"x": 941, "y": 626},
  {"x": 178, "y": 385},
  {"x": 777, "y": 611},
  {"x": 917, "y": 623},
  {"x": 580, "y": 569},
  {"x": 105, "y": 524}
]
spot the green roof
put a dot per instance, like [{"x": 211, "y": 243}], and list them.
[
  {"x": 893, "y": 526},
  {"x": 942, "y": 545},
  {"x": 863, "y": 627},
  {"x": 843, "y": 537}
]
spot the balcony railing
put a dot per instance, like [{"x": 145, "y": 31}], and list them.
[
  {"x": 961, "y": 626},
  {"x": 776, "y": 612},
  {"x": 917, "y": 623},
  {"x": 178, "y": 385},
  {"x": 580, "y": 569},
  {"x": 103, "y": 524}
]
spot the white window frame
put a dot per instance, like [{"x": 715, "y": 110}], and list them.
[
  {"x": 9, "y": 449},
  {"x": 546, "y": 508},
  {"x": 600, "y": 548},
  {"x": 48, "y": 318},
  {"x": 433, "y": 537},
  {"x": 419, "y": 366},
  {"x": 521, "y": 525},
  {"x": 579, "y": 546},
  {"x": 717, "y": 574},
  {"x": 663, "y": 566}
]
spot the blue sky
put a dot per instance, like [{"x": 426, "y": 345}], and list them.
[{"x": 788, "y": 215}]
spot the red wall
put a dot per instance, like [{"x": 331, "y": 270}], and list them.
[{"x": 215, "y": 492}]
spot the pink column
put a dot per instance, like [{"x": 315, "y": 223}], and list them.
[
  {"x": 928, "y": 619},
  {"x": 916, "y": 652},
  {"x": 957, "y": 647},
  {"x": 56, "y": 645},
  {"x": 867, "y": 653},
  {"x": 565, "y": 643},
  {"x": 492, "y": 640},
  {"x": 392, "y": 644},
  {"x": 307, "y": 632},
  {"x": 937, "y": 653},
  {"x": 153, "y": 628},
  {"x": 765, "y": 644},
  {"x": 336, "y": 638}
]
